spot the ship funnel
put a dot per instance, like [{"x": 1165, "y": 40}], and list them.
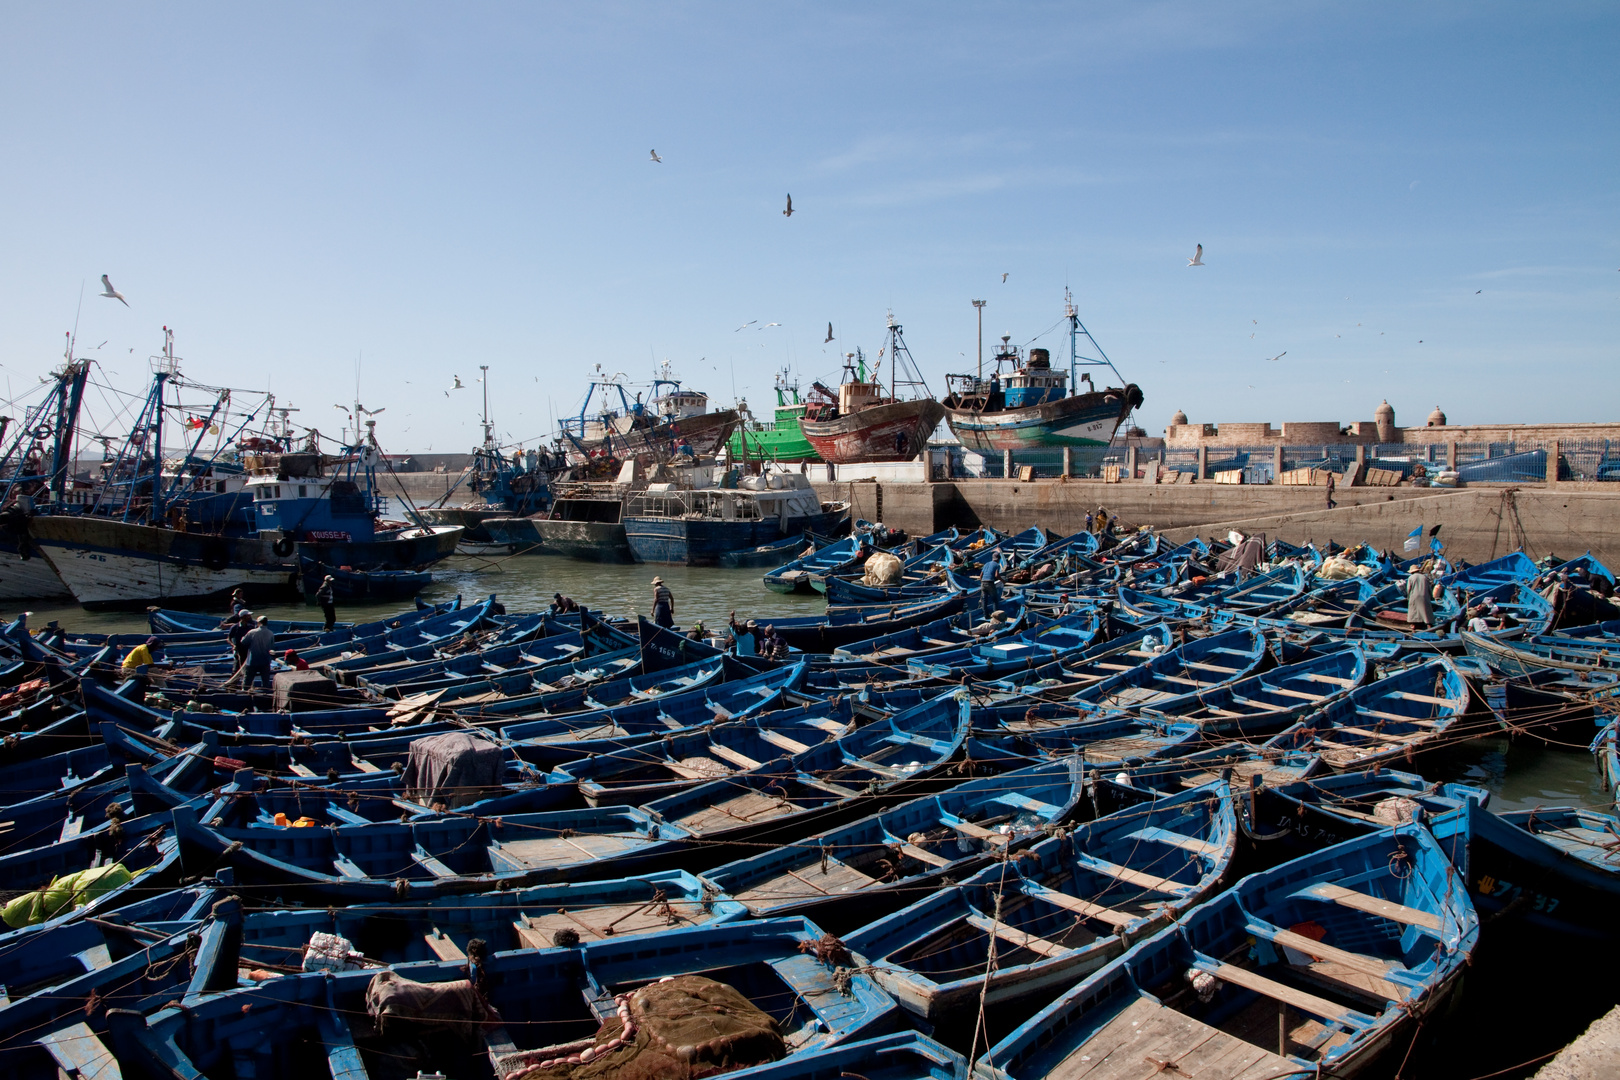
[{"x": 1039, "y": 358}]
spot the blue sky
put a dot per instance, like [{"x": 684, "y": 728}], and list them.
[{"x": 1417, "y": 202}]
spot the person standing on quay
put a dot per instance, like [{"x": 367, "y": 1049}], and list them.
[
  {"x": 663, "y": 604},
  {"x": 323, "y": 597}
]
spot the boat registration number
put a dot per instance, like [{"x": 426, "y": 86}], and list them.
[{"x": 328, "y": 534}]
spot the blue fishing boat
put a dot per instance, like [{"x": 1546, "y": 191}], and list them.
[
  {"x": 529, "y": 1006},
  {"x": 351, "y": 584},
  {"x": 1264, "y": 704},
  {"x": 950, "y": 634},
  {"x": 696, "y": 526},
  {"x": 531, "y": 918},
  {"x": 1554, "y": 868},
  {"x": 1394, "y": 717},
  {"x": 45, "y": 1029},
  {"x": 1295, "y": 819},
  {"x": 1200, "y": 665},
  {"x": 1064, "y": 908},
  {"x": 638, "y": 774},
  {"x": 776, "y": 553},
  {"x": 846, "y": 625},
  {"x": 1025, "y": 404},
  {"x": 809, "y": 573},
  {"x": 1316, "y": 968},
  {"x": 849, "y": 875}
]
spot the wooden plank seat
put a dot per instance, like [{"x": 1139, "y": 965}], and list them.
[
  {"x": 737, "y": 758},
  {"x": 1133, "y": 877},
  {"x": 1427, "y": 699},
  {"x": 1372, "y": 905},
  {"x": 1397, "y": 717},
  {"x": 1300, "y": 694},
  {"x": 1201, "y": 666},
  {"x": 1014, "y": 936},
  {"x": 1382, "y": 736},
  {"x": 776, "y": 738},
  {"x": 1276, "y": 991},
  {"x": 1085, "y": 908},
  {"x": 978, "y": 832},
  {"x": 1175, "y": 839},
  {"x": 1356, "y": 971},
  {"x": 823, "y": 785},
  {"x": 1334, "y": 679},
  {"x": 441, "y": 945},
  {"x": 924, "y": 856}
]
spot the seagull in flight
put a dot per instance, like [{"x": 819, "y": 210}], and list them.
[
  {"x": 1198, "y": 257},
  {"x": 1004, "y": 279},
  {"x": 745, "y": 326},
  {"x": 112, "y": 293},
  {"x": 829, "y": 333},
  {"x": 1478, "y": 291},
  {"x": 1279, "y": 356},
  {"x": 768, "y": 325},
  {"x": 458, "y": 385},
  {"x": 656, "y": 158},
  {"x": 789, "y": 211}
]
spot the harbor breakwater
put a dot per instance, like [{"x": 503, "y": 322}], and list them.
[{"x": 1478, "y": 522}]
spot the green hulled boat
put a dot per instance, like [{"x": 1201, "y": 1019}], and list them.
[{"x": 780, "y": 440}]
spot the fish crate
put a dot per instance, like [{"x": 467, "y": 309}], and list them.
[
  {"x": 1382, "y": 477},
  {"x": 1115, "y": 474},
  {"x": 1229, "y": 476}
]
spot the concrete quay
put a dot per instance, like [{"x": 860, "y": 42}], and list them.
[
  {"x": 1479, "y": 522},
  {"x": 1593, "y": 1056}
]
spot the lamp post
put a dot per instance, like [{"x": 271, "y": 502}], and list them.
[{"x": 979, "y": 306}]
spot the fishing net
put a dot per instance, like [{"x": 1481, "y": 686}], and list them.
[
  {"x": 683, "y": 1028},
  {"x": 882, "y": 569},
  {"x": 64, "y": 894}
]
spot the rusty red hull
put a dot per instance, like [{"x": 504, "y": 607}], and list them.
[{"x": 897, "y": 431}]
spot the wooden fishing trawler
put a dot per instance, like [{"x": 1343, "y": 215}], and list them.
[
  {"x": 860, "y": 423},
  {"x": 1026, "y": 404}
]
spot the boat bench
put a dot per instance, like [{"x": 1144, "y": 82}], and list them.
[
  {"x": 1085, "y": 908},
  {"x": 423, "y": 858},
  {"x": 1276, "y": 991},
  {"x": 1372, "y": 905},
  {"x": 1013, "y": 936},
  {"x": 1175, "y": 839},
  {"x": 1133, "y": 877}
]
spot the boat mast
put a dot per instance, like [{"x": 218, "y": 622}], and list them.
[
  {"x": 488, "y": 437},
  {"x": 1076, "y": 328}
]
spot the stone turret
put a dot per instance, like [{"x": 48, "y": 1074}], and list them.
[
  {"x": 1437, "y": 418},
  {"x": 1179, "y": 418},
  {"x": 1384, "y": 417}
]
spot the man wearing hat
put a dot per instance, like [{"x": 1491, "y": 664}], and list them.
[
  {"x": 323, "y": 597},
  {"x": 240, "y": 628},
  {"x": 663, "y": 613},
  {"x": 257, "y": 646}
]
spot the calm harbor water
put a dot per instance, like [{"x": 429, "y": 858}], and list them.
[{"x": 1532, "y": 999}]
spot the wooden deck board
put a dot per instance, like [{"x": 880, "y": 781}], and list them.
[{"x": 1137, "y": 1044}]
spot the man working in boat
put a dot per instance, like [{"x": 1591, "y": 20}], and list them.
[
  {"x": 258, "y": 644},
  {"x": 323, "y": 597},
  {"x": 294, "y": 661},
  {"x": 240, "y": 627},
  {"x": 771, "y": 645},
  {"x": 995, "y": 622},
  {"x": 744, "y": 637},
  {"x": 562, "y": 605},
  {"x": 663, "y": 612},
  {"x": 140, "y": 657},
  {"x": 990, "y": 583},
  {"x": 1419, "y": 611}
]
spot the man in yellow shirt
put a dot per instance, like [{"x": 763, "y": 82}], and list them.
[{"x": 150, "y": 652}]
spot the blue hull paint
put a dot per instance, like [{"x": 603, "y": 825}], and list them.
[{"x": 702, "y": 541}]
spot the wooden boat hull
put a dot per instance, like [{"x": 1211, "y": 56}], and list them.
[
  {"x": 1085, "y": 422},
  {"x": 110, "y": 564},
  {"x": 589, "y": 541},
  {"x": 32, "y": 578},
  {"x": 895, "y": 432}
]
